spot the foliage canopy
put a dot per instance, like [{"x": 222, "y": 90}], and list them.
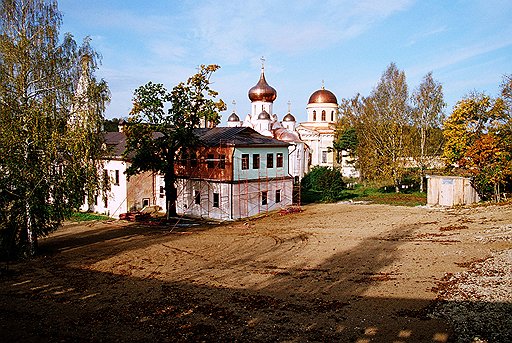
[
  {"x": 156, "y": 136},
  {"x": 51, "y": 109}
]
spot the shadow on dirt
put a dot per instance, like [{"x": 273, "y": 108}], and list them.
[{"x": 48, "y": 300}]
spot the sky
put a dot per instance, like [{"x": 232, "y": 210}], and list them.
[{"x": 347, "y": 44}]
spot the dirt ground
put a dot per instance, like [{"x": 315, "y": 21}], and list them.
[{"x": 334, "y": 272}]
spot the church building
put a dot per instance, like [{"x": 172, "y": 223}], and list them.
[{"x": 311, "y": 142}]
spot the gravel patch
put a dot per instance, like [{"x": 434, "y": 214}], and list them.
[{"x": 478, "y": 302}]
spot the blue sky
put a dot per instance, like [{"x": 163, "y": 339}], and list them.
[{"x": 467, "y": 44}]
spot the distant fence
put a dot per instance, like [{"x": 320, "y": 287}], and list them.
[{"x": 450, "y": 191}]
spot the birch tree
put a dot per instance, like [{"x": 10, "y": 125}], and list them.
[
  {"x": 382, "y": 128},
  {"x": 49, "y": 159},
  {"x": 427, "y": 117}
]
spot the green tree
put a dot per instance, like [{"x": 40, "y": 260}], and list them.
[
  {"x": 156, "y": 137},
  {"x": 51, "y": 109},
  {"x": 322, "y": 184},
  {"x": 382, "y": 123},
  {"x": 427, "y": 117},
  {"x": 111, "y": 125}
]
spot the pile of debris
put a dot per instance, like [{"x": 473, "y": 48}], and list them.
[
  {"x": 143, "y": 215},
  {"x": 290, "y": 209}
]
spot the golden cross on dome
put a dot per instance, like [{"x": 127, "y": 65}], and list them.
[
  {"x": 234, "y": 105},
  {"x": 262, "y": 59},
  {"x": 323, "y": 84},
  {"x": 289, "y": 106}
]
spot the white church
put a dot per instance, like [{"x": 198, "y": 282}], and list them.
[{"x": 311, "y": 142}]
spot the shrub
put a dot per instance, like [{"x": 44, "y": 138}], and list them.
[{"x": 322, "y": 184}]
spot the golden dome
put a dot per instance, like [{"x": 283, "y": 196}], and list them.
[
  {"x": 262, "y": 91},
  {"x": 264, "y": 115},
  {"x": 323, "y": 96},
  {"x": 233, "y": 117},
  {"x": 289, "y": 117}
]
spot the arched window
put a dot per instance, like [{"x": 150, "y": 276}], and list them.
[
  {"x": 332, "y": 115},
  {"x": 323, "y": 115},
  {"x": 314, "y": 115}
]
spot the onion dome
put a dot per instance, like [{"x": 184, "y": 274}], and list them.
[
  {"x": 233, "y": 117},
  {"x": 288, "y": 117},
  {"x": 262, "y": 91},
  {"x": 264, "y": 115},
  {"x": 322, "y": 96}
]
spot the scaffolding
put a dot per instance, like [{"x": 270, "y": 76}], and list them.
[{"x": 231, "y": 193}]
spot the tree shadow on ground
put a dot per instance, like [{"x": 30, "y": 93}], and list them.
[{"x": 48, "y": 300}]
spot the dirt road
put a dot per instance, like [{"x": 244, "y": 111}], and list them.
[{"x": 337, "y": 272}]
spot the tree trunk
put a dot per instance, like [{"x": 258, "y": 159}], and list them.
[
  {"x": 171, "y": 193},
  {"x": 28, "y": 237}
]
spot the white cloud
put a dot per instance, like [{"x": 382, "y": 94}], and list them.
[{"x": 232, "y": 31}]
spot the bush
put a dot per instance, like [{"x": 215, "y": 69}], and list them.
[{"x": 322, "y": 184}]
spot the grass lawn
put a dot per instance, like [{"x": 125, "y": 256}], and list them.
[
  {"x": 374, "y": 195},
  {"x": 379, "y": 196},
  {"x": 87, "y": 216}
]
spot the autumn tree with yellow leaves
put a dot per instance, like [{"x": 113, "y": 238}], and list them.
[{"x": 478, "y": 141}]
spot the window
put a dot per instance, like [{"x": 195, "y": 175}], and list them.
[
  {"x": 323, "y": 115},
  {"x": 314, "y": 115},
  {"x": 210, "y": 161},
  {"x": 256, "y": 161},
  {"x": 264, "y": 197},
  {"x": 96, "y": 200},
  {"x": 193, "y": 160},
  {"x": 245, "y": 161},
  {"x": 270, "y": 160},
  {"x": 105, "y": 176},
  {"x": 116, "y": 177},
  {"x": 215, "y": 199},
  {"x": 278, "y": 196},
  {"x": 324, "y": 156},
  {"x": 145, "y": 202},
  {"x": 197, "y": 197},
  {"x": 332, "y": 115},
  {"x": 162, "y": 192},
  {"x": 279, "y": 160},
  {"x": 222, "y": 162},
  {"x": 184, "y": 159}
]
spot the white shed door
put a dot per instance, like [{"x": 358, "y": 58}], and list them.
[{"x": 446, "y": 192}]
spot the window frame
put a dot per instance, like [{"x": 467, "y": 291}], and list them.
[
  {"x": 264, "y": 198},
  {"x": 270, "y": 160},
  {"x": 216, "y": 200},
  {"x": 222, "y": 161},
  {"x": 245, "y": 161},
  {"x": 256, "y": 162},
  {"x": 279, "y": 160},
  {"x": 210, "y": 161},
  {"x": 324, "y": 156}
]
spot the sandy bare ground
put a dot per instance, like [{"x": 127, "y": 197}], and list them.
[{"x": 338, "y": 272}]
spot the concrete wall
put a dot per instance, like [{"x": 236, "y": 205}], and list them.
[{"x": 450, "y": 191}]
